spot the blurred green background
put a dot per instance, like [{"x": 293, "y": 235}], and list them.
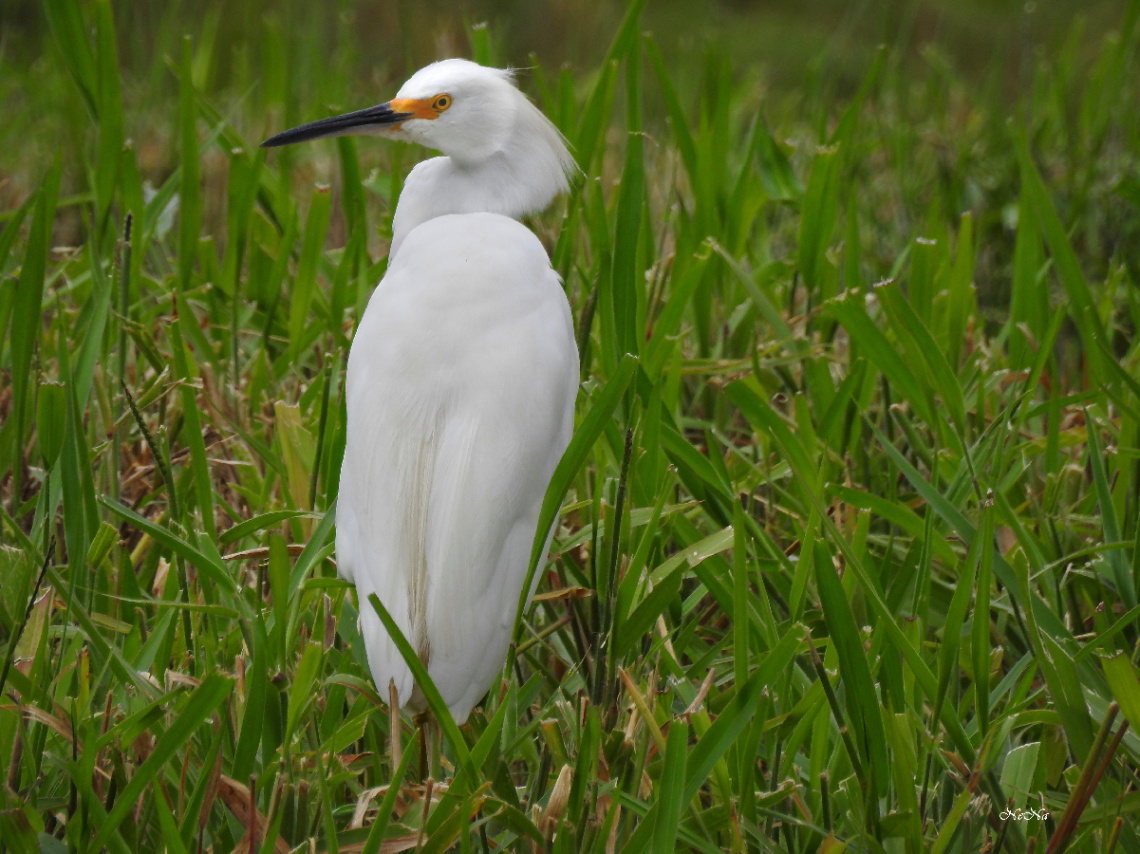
[{"x": 273, "y": 62}]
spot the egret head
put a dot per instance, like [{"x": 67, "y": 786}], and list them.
[{"x": 467, "y": 111}]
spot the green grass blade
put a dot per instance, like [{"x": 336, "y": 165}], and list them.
[
  {"x": 739, "y": 711},
  {"x": 192, "y": 431},
  {"x": 214, "y": 689},
  {"x": 1121, "y": 575},
  {"x": 305, "y": 284},
  {"x": 625, "y": 291},
  {"x": 189, "y": 185},
  {"x": 820, "y": 209},
  {"x": 111, "y": 132},
  {"x": 863, "y": 703},
  {"x": 257, "y": 523},
  {"x": 1125, "y": 686},
  {"x": 923, "y": 349},
  {"x": 1082, "y": 305},
  {"x": 589, "y": 429},
  {"x": 300, "y": 691},
  {"x": 210, "y": 567},
  {"x": 26, "y": 313},
  {"x": 427, "y": 687},
  {"x": 670, "y": 803},
  {"x": 850, "y": 310},
  {"x": 375, "y": 839},
  {"x": 962, "y": 301},
  {"x": 678, "y": 116},
  {"x": 69, "y": 30}
]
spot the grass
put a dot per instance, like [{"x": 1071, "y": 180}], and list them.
[{"x": 847, "y": 559}]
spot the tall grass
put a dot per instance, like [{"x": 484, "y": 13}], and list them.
[{"x": 847, "y": 559}]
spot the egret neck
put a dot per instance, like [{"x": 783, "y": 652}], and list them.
[{"x": 521, "y": 174}]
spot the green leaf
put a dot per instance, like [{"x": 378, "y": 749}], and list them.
[
  {"x": 51, "y": 421},
  {"x": 1082, "y": 306},
  {"x": 670, "y": 789},
  {"x": 678, "y": 115},
  {"x": 102, "y": 543},
  {"x": 1018, "y": 771},
  {"x": 590, "y": 428},
  {"x": 27, "y": 311},
  {"x": 591, "y": 122},
  {"x": 850, "y": 310},
  {"x": 817, "y": 222},
  {"x": 65, "y": 20},
  {"x": 376, "y": 832},
  {"x": 207, "y": 564},
  {"x": 738, "y": 713},
  {"x": 300, "y": 691},
  {"x": 665, "y": 326},
  {"x": 761, "y": 416},
  {"x": 256, "y": 697},
  {"x": 900, "y": 515},
  {"x": 963, "y": 302},
  {"x": 258, "y": 523},
  {"x": 626, "y": 284},
  {"x": 667, "y": 579},
  {"x": 297, "y": 450},
  {"x": 192, "y": 431},
  {"x": 214, "y": 689},
  {"x": 277, "y": 571},
  {"x": 427, "y": 687},
  {"x": 305, "y": 283},
  {"x": 1121, "y": 576},
  {"x": 863, "y": 703},
  {"x": 189, "y": 196},
  {"x": 776, "y": 174},
  {"x": 923, "y": 349},
  {"x": 108, "y": 161},
  {"x": 1125, "y": 686}
]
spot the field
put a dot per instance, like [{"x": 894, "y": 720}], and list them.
[{"x": 847, "y": 553}]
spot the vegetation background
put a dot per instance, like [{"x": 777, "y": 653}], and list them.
[{"x": 847, "y": 559}]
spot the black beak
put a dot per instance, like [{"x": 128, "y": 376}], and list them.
[{"x": 360, "y": 121}]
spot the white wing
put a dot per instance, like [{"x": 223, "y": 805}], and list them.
[{"x": 460, "y": 390}]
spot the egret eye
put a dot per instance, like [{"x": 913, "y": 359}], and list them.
[{"x": 441, "y": 103}]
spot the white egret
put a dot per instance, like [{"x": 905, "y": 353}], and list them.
[{"x": 461, "y": 381}]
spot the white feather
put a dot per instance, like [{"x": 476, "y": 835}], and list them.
[{"x": 453, "y": 433}]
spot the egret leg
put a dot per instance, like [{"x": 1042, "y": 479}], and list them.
[
  {"x": 435, "y": 748},
  {"x": 395, "y": 750},
  {"x": 423, "y": 724}
]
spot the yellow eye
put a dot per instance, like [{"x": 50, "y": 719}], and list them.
[{"x": 441, "y": 103}]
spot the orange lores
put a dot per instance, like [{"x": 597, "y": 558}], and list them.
[{"x": 420, "y": 108}]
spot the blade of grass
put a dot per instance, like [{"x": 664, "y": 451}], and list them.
[
  {"x": 214, "y": 689},
  {"x": 863, "y": 705},
  {"x": 427, "y": 687},
  {"x": 573, "y": 459}
]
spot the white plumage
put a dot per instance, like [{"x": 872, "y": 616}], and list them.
[{"x": 461, "y": 381}]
